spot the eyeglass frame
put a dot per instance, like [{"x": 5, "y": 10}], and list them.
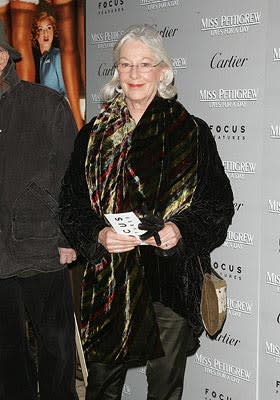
[{"x": 130, "y": 66}]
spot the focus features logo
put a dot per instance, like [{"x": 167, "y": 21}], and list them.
[
  {"x": 233, "y": 132},
  {"x": 159, "y": 4},
  {"x": 211, "y": 394},
  {"x": 230, "y": 24},
  {"x": 228, "y": 98},
  {"x": 229, "y": 271},
  {"x": 218, "y": 61},
  {"x": 109, "y": 7}
]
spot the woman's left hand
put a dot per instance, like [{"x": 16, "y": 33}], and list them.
[{"x": 169, "y": 236}]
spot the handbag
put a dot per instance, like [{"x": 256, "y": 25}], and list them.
[{"x": 213, "y": 304}]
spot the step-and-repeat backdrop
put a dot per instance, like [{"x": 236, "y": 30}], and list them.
[{"x": 226, "y": 56}]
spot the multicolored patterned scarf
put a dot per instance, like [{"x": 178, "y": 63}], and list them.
[{"x": 151, "y": 165}]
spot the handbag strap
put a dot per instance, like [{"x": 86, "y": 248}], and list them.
[
  {"x": 213, "y": 271},
  {"x": 199, "y": 263}
]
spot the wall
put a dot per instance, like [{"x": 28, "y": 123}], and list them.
[{"x": 226, "y": 56}]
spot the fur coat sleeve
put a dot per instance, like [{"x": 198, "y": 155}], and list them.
[
  {"x": 204, "y": 224},
  {"x": 77, "y": 220}
]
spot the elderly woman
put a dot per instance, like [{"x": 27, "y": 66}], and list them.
[{"x": 144, "y": 153}]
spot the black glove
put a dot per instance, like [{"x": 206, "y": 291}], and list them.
[{"x": 152, "y": 224}]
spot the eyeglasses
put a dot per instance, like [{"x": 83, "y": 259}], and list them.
[{"x": 141, "y": 67}]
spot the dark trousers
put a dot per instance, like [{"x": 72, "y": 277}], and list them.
[
  {"x": 46, "y": 299},
  {"x": 165, "y": 375}
]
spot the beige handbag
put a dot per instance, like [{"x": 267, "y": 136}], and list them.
[{"x": 213, "y": 305}]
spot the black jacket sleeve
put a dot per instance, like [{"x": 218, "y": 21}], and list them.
[
  {"x": 204, "y": 224},
  {"x": 64, "y": 131},
  {"x": 78, "y": 222}
]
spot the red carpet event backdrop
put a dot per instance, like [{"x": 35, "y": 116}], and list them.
[{"x": 226, "y": 57}]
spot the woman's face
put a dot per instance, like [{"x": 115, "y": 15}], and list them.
[
  {"x": 139, "y": 86},
  {"x": 45, "y": 33}
]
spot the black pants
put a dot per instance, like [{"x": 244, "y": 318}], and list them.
[
  {"x": 46, "y": 299},
  {"x": 165, "y": 375}
]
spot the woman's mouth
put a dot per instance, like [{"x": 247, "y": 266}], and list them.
[{"x": 135, "y": 85}]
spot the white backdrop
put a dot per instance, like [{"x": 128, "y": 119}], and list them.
[{"x": 226, "y": 56}]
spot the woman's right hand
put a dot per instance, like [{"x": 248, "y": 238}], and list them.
[{"x": 115, "y": 242}]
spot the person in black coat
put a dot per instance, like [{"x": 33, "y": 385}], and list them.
[
  {"x": 37, "y": 132},
  {"x": 144, "y": 153}
]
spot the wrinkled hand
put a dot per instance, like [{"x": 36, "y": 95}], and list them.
[
  {"x": 169, "y": 237},
  {"x": 66, "y": 255},
  {"x": 115, "y": 242}
]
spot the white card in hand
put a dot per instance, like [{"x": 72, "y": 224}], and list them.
[{"x": 125, "y": 223}]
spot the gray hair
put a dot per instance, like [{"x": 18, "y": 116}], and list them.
[{"x": 152, "y": 39}]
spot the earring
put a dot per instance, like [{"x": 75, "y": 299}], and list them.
[{"x": 118, "y": 88}]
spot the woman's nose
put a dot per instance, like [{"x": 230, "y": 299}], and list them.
[{"x": 134, "y": 71}]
